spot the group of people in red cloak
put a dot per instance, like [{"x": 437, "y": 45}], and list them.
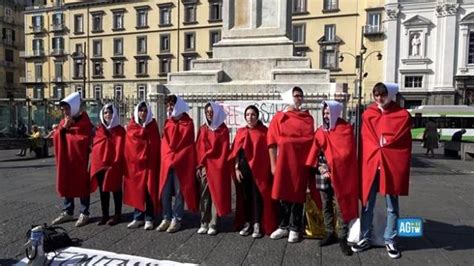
[{"x": 272, "y": 168}]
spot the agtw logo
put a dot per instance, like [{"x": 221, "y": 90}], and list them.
[{"x": 410, "y": 227}]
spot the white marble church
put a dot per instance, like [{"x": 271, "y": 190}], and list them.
[{"x": 430, "y": 50}]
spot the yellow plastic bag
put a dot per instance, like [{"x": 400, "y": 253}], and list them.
[{"x": 314, "y": 219}]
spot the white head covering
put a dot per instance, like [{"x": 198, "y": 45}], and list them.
[
  {"x": 74, "y": 102},
  {"x": 392, "y": 90},
  {"x": 287, "y": 97},
  {"x": 335, "y": 111},
  {"x": 180, "y": 107},
  {"x": 115, "y": 119},
  {"x": 218, "y": 117},
  {"x": 149, "y": 114}
]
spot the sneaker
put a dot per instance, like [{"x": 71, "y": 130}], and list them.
[
  {"x": 202, "y": 230},
  {"x": 279, "y": 233},
  {"x": 293, "y": 237},
  {"x": 135, "y": 224},
  {"x": 346, "y": 250},
  {"x": 329, "y": 239},
  {"x": 392, "y": 251},
  {"x": 163, "y": 225},
  {"x": 148, "y": 225},
  {"x": 212, "y": 231},
  {"x": 83, "y": 219},
  {"x": 174, "y": 226},
  {"x": 62, "y": 218},
  {"x": 256, "y": 231},
  {"x": 246, "y": 230},
  {"x": 361, "y": 245}
]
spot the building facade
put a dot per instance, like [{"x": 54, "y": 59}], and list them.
[
  {"x": 430, "y": 51},
  {"x": 11, "y": 66},
  {"x": 117, "y": 49}
]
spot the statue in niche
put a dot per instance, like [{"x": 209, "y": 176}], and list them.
[{"x": 415, "y": 44}]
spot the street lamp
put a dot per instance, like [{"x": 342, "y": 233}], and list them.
[{"x": 360, "y": 61}]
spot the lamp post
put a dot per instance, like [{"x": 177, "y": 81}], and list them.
[{"x": 360, "y": 61}]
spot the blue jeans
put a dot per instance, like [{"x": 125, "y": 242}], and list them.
[
  {"x": 68, "y": 205},
  {"x": 148, "y": 214},
  {"x": 368, "y": 214},
  {"x": 172, "y": 185}
]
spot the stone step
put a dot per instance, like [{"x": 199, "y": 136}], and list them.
[
  {"x": 195, "y": 76},
  {"x": 300, "y": 75},
  {"x": 293, "y": 62},
  {"x": 206, "y": 64}
]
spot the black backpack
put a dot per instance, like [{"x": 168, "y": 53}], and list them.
[{"x": 54, "y": 237}]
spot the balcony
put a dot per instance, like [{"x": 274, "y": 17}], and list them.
[
  {"x": 8, "y": 42},
  {"x": 8, "y": 64},
  {"x": 58, "y": 79},
  {"x": 58, "y": 52},
  {"x": 58, "y": 27},
  {"x": 32, "y": 54},
  {"x": 37, "y": 29},
  {"x": 371, "y": 30},
  {"x": 31, "y": 80}
]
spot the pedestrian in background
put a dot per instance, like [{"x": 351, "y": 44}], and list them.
[{"x": 430, "y": 137}]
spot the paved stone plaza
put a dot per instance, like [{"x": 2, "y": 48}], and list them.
[{"x": 441, "y": 193}]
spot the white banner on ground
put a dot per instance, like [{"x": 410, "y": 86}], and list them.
[{"x": 82, "y": 256}]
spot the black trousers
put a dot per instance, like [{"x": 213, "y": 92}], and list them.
[
  {"x": 105, "y": 197},
  {"x": 253, "y": 202},
  {"x": 331, "y": 209},
  {"x": 291, "y": 216}
]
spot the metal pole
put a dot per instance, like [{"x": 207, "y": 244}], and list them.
[{"x": 359, "y": 100}]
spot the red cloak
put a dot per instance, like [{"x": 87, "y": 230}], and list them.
[
  {"x": 142, "y": 159},
  {"x": 338, "y": 146},
  {"x": 178, "y": 151},
  {"x": 393, "y": 157},
  {"x": 253, "y": 142},
  {"x": 108, "y": 155},
  {"x": 293, "y": 133},
  {"x": 212, "y": 153},
  {"x": 71, "y": 149}
]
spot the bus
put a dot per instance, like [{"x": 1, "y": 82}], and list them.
[{"x": 448, "y": 118}]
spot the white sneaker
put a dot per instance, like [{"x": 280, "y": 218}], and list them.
[
  {"x": 279, "y": 233},
  {"x": 135, "y": 224},
  {"x": 83, "y": 219},
  {"x": 212, "y": 231},
  {"x": 62, "y": 218},
  {"x": 148, "y": 225},
  {"x": 293, "y": 237},
  {"x": 163, "y": 225},
  {"x": 256, "y": 231},
  {"x": 246, "y": 230},
  {"x": 202, "y": 230},
  {"x": 174, "y": 226}
]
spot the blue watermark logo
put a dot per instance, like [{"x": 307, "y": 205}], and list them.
[{"x": 410, "y": 227}]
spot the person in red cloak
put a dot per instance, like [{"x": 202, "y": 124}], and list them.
[
  {"x": 107, "y": 163},
  {"x": 142, "y": 167},
  {"x": 255, "y": 208},
  {"x": 289, "y": 140},
  {"x": 178, "y": 164},
  {"x": 71, "y": 148},
  {"x": 334, "y": 155},
  {"x": 214, "y": 171},
  {"x": 385, "y": 162}
]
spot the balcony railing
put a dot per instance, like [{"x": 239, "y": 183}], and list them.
[
  {"x": 58, "y": 79},
  {"x": 58, "y": 27},
  {"x": 373, "y": 29},
  {"x": 5, "y": 63},
  {"x": 8, "y": 42},
  {"x": 58, "y": 52},
  {"x": 31, "y": 79},
  {"x": 34, "y": 53},
  {"x": 38, "y": 29}
]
